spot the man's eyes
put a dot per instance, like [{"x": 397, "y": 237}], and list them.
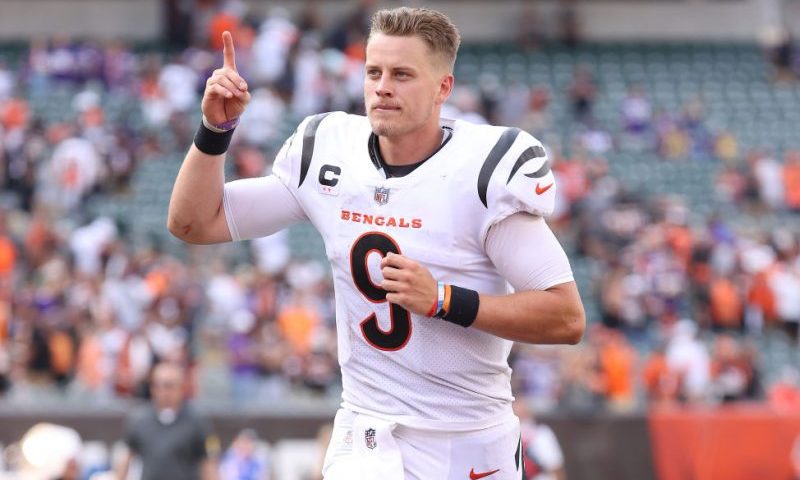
[{"x": 377, "y": 73}]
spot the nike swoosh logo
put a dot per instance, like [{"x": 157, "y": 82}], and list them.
[
  {"x": 476, "y": 476},
  {"x": 540, "y": 190}
]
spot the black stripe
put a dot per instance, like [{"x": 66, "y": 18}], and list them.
[
  {"x": 309, "y": 137},
  {"x": 518, "y": 453},
  {"x": 493, "y": 159},
  {"x": 532, "y": 152},
  {"x": 541, "y": 172}
]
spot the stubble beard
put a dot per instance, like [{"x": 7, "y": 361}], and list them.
[{"x": 383, "y": 128}]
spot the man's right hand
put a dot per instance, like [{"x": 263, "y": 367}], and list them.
[{"x": 226, "y": 94}]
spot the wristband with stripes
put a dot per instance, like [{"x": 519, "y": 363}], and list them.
[{"x": 456, "y": 304}]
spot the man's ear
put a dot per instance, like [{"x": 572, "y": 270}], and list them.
[{"x": 445, "y": 88}]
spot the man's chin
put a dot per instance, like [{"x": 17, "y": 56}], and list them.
[{"x": 381, "y": 129}]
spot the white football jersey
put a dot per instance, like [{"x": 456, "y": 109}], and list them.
[{"x": 418, "y": 371}]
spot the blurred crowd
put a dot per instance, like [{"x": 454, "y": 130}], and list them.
[{"x": 86, "y": 312}]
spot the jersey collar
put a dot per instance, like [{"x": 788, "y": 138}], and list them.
[{"x": 401, "y": 170}]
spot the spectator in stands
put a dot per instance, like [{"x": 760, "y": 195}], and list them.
[
  {"x": 467, "y": 102},
  {"x": 530, "y": 34},
  {"x": 672, "y": 141},
  {"x": 119, "y": 67},
  {"x": 276, "y": 36},
  {"x": 726, "y": 147},
  {"x": 596, "y": 140},
  {"x": 582, "y": 93},
  {"x": 689, "y": 359},
  {"x": 8, "y": 256},
  {"x": 617, "y": 360},
  {"x": 7, "y": 81},
  {"x": 726, "y": 304},
  {"x": 242, "y": 461},
  {"x": 536, "y": 374},
  {"x": 73, "y": 171},
  {"x": 573, "y": 176},
  {"x": 244, "y": 363},
  {"x": 637, "y": 117},
  {"x": 730, "y": 372},
  {"x": 582, "y": 387},
  {"x": 170, "y": 438},
  {"x": 228, "y": 16},
  {"x": 263, "y": 117},
  {"x": 354, "y": 27},
  {"x": 661, "y": 383},
  {"x": 768, "y": 175},
  {"x": 569, "y": 24},
  {"x": 536, "y": 118},
  {"x": 693, "y": 122},
  {"x": 15, "y": 120},
  {"x": 780, "y": 51},
  {"x": 179, "y": 83},
  {"x": 791, "y": 180}
]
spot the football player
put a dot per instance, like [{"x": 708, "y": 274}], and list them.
[{"x": 440, "y": 254}]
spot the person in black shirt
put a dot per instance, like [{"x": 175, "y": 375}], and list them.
[{"x": 169, "y": 437}]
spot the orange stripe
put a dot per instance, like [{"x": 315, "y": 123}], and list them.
[{"x": 446, "y": 303}]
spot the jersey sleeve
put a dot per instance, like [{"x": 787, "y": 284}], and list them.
[
  {"x": 519, "y": 181},
  {"x": 257, "y": 207},
  {"x": 527, "y": 253}
]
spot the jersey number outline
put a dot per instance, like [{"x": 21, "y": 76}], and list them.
[{"x": 400, "y": 332}]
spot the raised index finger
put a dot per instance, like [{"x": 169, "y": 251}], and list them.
[{"x": 228, "y": 53}]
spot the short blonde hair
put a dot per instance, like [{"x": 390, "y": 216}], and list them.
[{"x": 432, "y": 27}]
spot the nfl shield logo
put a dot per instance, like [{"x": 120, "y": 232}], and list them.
[
  {"x": 381, "y": 195},
  {"x": 369, "y": 438}
]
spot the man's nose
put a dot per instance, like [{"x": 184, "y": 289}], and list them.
[{"x": 384, "y": 87}]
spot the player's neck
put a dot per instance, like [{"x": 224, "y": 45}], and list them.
[{"x": 412, "y": 148}]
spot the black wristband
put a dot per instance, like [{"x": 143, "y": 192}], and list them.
[
  {"x": 464, "y": 305},
  {"x": 210, "y": 142}
]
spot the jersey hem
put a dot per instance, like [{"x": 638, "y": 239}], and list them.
[{"x": 434, "y": 425}]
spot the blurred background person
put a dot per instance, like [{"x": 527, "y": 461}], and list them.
[
  {"x": 242, "y": 462},
  {"x": 169, "y": 438},
  {"x": 541, "y": 452}
]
